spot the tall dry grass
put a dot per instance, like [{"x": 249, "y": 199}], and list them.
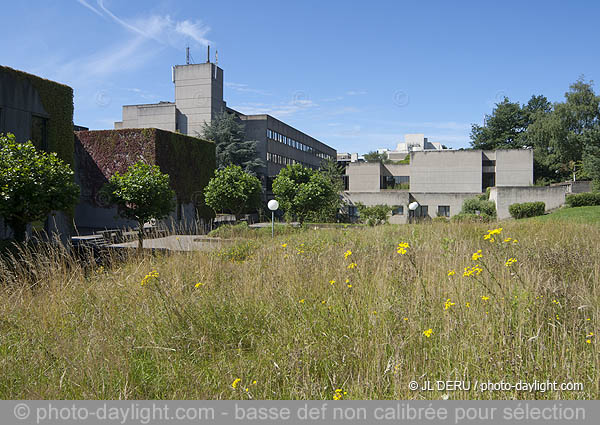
[{"x": 266, "y": 318}]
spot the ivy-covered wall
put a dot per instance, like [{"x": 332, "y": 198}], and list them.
[
  {"x": 189, "y": 161},
  {"x": 57, "y": 100}
]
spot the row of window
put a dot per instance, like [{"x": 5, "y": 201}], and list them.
[
  {"x": 421, "y": 211},
  {"x": 284, "y": 160},
  {"x": 278, "y": 137},
  {"x": 394, "y": 182}
]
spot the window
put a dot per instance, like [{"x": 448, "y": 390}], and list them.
[
  {"x": 352, "y": 211},
  {"x": 422, "y": 211},
  {"x": 443, "y": 211},
  {"x": 398, "y": 210},
  {"x": 488, "y": 163},
  {"x": 38, "y": 132}
]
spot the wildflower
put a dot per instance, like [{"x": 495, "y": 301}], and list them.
[
  {"x": 448, "y": 304},
  {"x": 331, "y": 282},
  {"x": 515, "y": 241},
  {"x": 323, "y": 302},
  {"x": 451, "y": 272},
  {"x": 339, "y": 393},
  {"x": 510, "y": 262},
  {"x": 402, "y": 247},
  {"x": 349, "y": 285},
  {"x": 590, "y": 335},
  {"x": 491, "y": 233},
  {"x": 352, "y": 265},
  {"x": 374, "y": 312},
  {"x": 484, "y": 298},
  {"x": 347, "y": 281},
  {"x": 152, "y": 275},
  {"x": 476, "y": 255},
  {"x": 428, "y": 332},
  {"x": 235, "y": 383},
  {"x": 468, "y": 304},
  {"x": 406, "y": 319},
  {"x": 507, "y": 240},
  {"x": 475, "y": 270},
  {"x": 347, "y": 254},
  {"x": 198, "y": 285},
  {"x": 254, "y": 382},
  {"x": 589, "y": 341},
  {"x": 301, "y": 301},
  {"x": 283, "y": 245}
]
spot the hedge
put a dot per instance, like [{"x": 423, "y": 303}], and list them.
[
  {"x": 57, "y": 100},
  {"x": 583, "y": 199},
  {"x": 470, "y": 206},
  {"x": 189, "y": 161},
  {"x": 527, "y": 209}
]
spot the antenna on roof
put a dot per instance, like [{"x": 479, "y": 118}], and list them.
[
  {"x": 187, "y": 55},
  {"x": 216, "y": 57},
  {"x": 208, "y": 54}
]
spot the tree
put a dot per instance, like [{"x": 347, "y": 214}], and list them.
[
  {"x": 231, "y": 148},
  {"x": 233, "y": 190},
  {"x": 373, "y": 215},
  {"x": 502, "y": 129},
  {"x": 374, "y": 156},
  {"x": 141, "y": 194},
  {"x": 306, "y": 193},
  {"x": 334, "y": 172},
  {"x": 32, "y": 184}
]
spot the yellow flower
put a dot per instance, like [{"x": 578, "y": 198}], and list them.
[
  {"x": 476, "y": 255},
  {"x": 402, "y": 247},
  {"x": 323, "y": 302},
  {"x": 484, "y": 298},
  {"x": 301, "y": 301},
  {"x": 591, "y": 334},
  {"x": 349, "y": 285},
  {"x": 510, "y": 262},
  {"x": 448, "y": 304},
  {"x": 352, "y": 265},
  {"x": 468, "y": 304},
  {"x": 406, "y": 319},
  {"x": 152, "y": 275},
  {"x": 331, "y": 282},
  {"x": 254, "y": 382},
  {"x": 199, "y": 284},
  {"x": 515, "y": 241},
  {"x": 283, "y": 245},
  {"x": 507, "y": 240},
  {"x": 347, "y": 280},
  {"x": 428, "y": 332},
  {"x": 589, "y": 341},
  {"x": 347, "y": 254},
  {"x": 374, "y": 312},
  {"x": 235, "y": 383},
  {"x": 451, "y": 272}
]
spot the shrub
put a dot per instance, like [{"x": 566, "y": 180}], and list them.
[
  {"x": 471, "y": 206},
  {"x": 527, "y": 209},
  {"x": 472, "y": 218},
  {"x": 373, "y": 215},
  {"x": 583, "y": 199},
  {"x": 440, "y": 219},
  {"x": 233, "y": 190}
]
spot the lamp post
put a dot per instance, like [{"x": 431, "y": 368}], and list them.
[
  {"x": 412, "y": 207},
  {"x": 273, "y": 205}
]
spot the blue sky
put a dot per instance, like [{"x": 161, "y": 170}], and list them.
[{"x": 357, "y": 76}]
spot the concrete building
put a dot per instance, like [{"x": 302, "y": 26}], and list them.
[
  {"x": 39, "y": 110},
  {"x": 412, "y": 143},
  {"x": 199, "y": 99},
  {"x": 441, "y": 180}
]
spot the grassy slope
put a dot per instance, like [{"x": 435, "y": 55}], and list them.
[
  {"x": 268, "y": 313},
  {"x": 586, "y": 215}
]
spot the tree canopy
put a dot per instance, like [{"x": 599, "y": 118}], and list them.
[
  {"x": 231, "y": 146},
  {"x": 233, "y": 190},
  {"x": 141, "y": 194},
  {"x": 32, "y": 184},
  {"x": 306, "y": 194}
]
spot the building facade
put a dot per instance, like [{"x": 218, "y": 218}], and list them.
[
  {"x": 441, "y": 180},
  {"x": 39, "y": 110},
  {"x": 199, "y": 100}
]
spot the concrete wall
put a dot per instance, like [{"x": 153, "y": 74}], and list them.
[
  {"x": 160, "y": 115},
  {"x": 553, "y": 196},
  {"x": 397, "y": 169},
  {"x": 198, "y": 94},
  {"x": 445, "y": 171},
  {"x": 364, "y": 176},
  {"x": 434, "y": 200},
  {"x": 514, "y": 167}
]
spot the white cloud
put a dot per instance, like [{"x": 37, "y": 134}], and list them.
[
  {"x": 243, "y": 88},
  {"x": 90, "y": 7},
  {"x": 356, "y": 92},
  {"x": 194, "y": 30}
]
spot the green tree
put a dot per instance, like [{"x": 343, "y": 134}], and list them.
[
  {"x": 306, "y": 194},
  {"x": 560, "y": 137},
  {"x": 334, "y": 172},
  {"x": 141, "y": 194},
  {"x": 374, "y": 156},
  {"x": 502, "y": 129},
  {"x": 233, "y": 190},
  {"x": 373, "y": 215},
  {"x": 32, "y": 184},
  {"x": 231, "y": 146}
]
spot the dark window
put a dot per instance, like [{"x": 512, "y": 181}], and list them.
[
  {"x": 398, "y": 210},
  {"x": 489, "y": 163},
  {"x": 395, "y": 182},
  {"x": 422, "y": 211},
  {"x": 488, "y": 180},
  {"x": 443, "y": 211},
  {"x": 39, "y": 136}
]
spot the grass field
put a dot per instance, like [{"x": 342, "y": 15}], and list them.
[
  {"x": 314, "y": 314},
  {"x": 586, "y": 215}
]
